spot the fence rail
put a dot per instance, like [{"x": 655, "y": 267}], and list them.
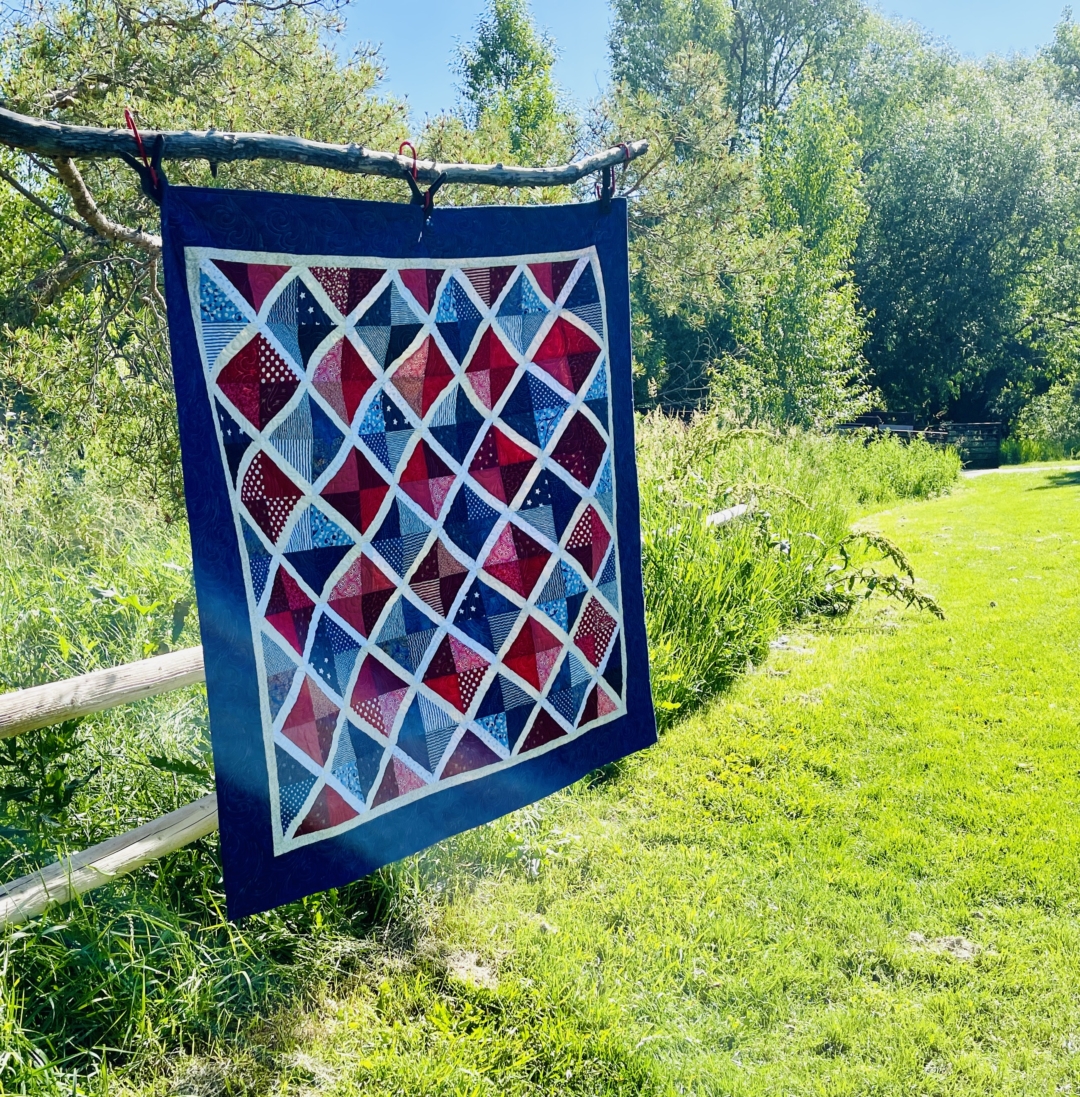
[
  {"x": 37, "y": 707},
  {"x": 26, "y": 709}
]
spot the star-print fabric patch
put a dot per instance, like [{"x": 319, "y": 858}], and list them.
[{"x": 423, "y": 482}]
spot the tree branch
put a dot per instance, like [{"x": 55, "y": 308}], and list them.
[
  {"x": 31, "y": 197},
  {"x": 59, "y": 140},
  {"x": 88, "y": 210},
  {"x": 55, "y": 282}
]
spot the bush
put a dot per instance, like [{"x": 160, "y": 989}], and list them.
[{"x": 1048, "y": 429}]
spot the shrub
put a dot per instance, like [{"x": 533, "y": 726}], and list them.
[{"x": 1048, "y": 429}]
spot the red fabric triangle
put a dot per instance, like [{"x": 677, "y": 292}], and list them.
[
  {"x": 423, "y": 285},
  {"x": 356, "y": 490},
  {"x": 489, "y": 281},
  {"x": 491, "y": 368},
  {"x": 253, "y": 280},
  {"x": 471, "y": 753},
  {"x": 544, "y": 730},
  {"x": 346, "y": 286},
  {"x": 329, "y": 810}
]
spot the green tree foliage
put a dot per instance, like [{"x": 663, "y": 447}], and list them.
[
  {"x": 507, "y": 84},
  {"x": 741, "y": 253},
  {"x": 82, "y": 344},
  {"x": 968, "y": 254},
  {"x": 689, "y": 226},
  {"x": 798, "y": 326},
  {"x": 898, "y": 68},
  {"x": 1063, "y": 54},
  {"x": 764, "y": 47},
  {"x": 818, "y": 175}
]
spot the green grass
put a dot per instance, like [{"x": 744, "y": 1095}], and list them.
[
  {"x": 729, "y": 912},
  {"x": 141, "y": 971}
]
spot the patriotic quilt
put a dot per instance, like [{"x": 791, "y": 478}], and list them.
[{"x": 409, "y": 468}]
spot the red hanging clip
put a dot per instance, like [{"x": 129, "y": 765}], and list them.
[
  {"x": 151, "y": 177},
  {"x": 420, "y": 197},
  {"x": 409, "y": 145},
  {"x": 142, "y": 149}
]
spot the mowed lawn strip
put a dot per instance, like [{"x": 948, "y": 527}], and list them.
[{"x": 732, "y": 912}]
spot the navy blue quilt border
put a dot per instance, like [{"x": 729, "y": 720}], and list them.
[{"x": 255, "y": 879}]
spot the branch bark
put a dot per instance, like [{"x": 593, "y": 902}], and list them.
[
  {"x": 52, "y": 285},
  {"x": 61, "y": 141},
  {"x": 88, "y": 210},
  {"x": 31, "y": 197}
]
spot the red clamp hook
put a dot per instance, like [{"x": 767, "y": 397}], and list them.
[
  {"x": 142, "y": 148},
  {"x": 420, "y": 197},
  {"x": 151, "y": 177}
]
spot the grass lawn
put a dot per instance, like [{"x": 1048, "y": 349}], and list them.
[{"x": 769, "y": 902}]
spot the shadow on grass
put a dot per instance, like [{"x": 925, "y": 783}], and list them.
[
  {"x": 1059, "y": 480},
  {"x": 151, "y": 966}
]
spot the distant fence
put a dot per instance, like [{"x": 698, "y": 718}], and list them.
[
  {"x": 26, "y": 709},
  {"x": 979, "y": 444}
]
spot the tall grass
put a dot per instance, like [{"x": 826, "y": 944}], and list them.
[
  {"x": 149, "y": 965},
  {"x": 716, "y": 595},
  {"x": 1020, "y": 451}
]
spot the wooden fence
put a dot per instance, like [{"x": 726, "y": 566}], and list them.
[
  {"x": 27, "y": 709},
  {"x": 979, "y": 444}
]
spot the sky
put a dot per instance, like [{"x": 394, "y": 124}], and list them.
[{"x": 418, "y": 39}]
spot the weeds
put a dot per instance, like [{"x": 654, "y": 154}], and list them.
[
  {"x": 717, "y": 594},
  {"x": 853, "y": 582}
]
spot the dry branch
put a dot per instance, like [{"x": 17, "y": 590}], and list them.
[
  {"x": 59, "y": 140},
  {"x": 28, "y": 896},
  {"x": 38, "y": 707},
  {"x": 88, "y": 210},
  {"x": 31, "y": 197}
]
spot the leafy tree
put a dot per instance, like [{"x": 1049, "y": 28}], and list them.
[
  {"x": 797, "y": 325},
  {"x": 689, "y": 200},
  {"x": 82, "y": 336},
  {"x": 898, "y": 69},
  {"x": 507, "y": 83},
  {"x": 764, "y": 47},
  {"x": 967, "y": 260},
  {"x": 647, "y": 35},
  {"x": 741, "y": 255},
  {"x": 1063, "y": 55}
]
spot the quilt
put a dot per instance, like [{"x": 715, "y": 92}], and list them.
[{"x": 408, "y": 455}]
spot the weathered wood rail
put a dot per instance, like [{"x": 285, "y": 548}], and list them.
[
  {"x": 26, "y": 709},
  {"x": 39, "y": 706},
  {"x": 58, "y": 139}
]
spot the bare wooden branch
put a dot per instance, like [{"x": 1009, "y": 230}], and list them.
[
  {"x": 39, "y": 706},
  {"x": 59, "y": 140},
  {"x": 54, "y": 282},
  {"x": 31, "y": 197},
  {"x": 28, "y": 896},
  {"x": 88, "y": 210}
]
